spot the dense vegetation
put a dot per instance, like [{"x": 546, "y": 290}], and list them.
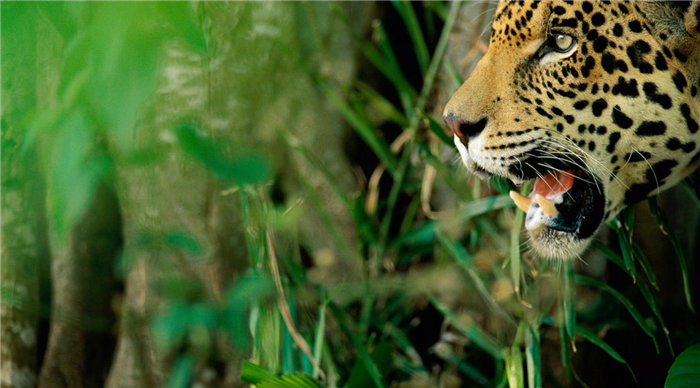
[{"x": 222, "y": 193}]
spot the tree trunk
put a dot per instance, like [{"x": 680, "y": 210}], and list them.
[
  {"x": 240, "y": 93},
  {"x": 22, "y": 245}
]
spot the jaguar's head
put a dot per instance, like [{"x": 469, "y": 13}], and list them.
[{"x": 595, "y": 101}]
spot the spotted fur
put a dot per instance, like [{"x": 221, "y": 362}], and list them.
[{"x": 625, "y": 105}]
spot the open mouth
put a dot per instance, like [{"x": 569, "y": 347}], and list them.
[{"x": 563, "y": 210}]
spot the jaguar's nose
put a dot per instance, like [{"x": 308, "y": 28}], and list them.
[{"x": 465, "y": 129}]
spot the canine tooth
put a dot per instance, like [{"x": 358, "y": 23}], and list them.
[
  {"x": 521, "y": 201},
  {"x": 547, "y": 206}
]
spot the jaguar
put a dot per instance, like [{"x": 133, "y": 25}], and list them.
[{"x": 596, "y": 101}]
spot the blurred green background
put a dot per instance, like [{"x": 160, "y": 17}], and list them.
[{"x": 216, "y": 194}]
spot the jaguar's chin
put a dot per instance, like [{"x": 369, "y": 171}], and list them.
[{"x": 563, "y": 210}]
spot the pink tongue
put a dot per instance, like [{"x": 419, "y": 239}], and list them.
[{"x": 553, "y": 184}]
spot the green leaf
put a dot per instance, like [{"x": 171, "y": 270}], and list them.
[
  {"x": 75, "y": 167},
  {"x": 170, "y": 327},
  {"x": 183, "y": 22},
  {"x": 685, "y": 371},
  {"x": 183, "y": 241},
  {"x": 263, "y": 379},
  {"x": 181, "y": 375},
  {"x": 243, "y": 168},
  {"x": 381, "y": 357},
  {"x": 254, "y": 374},
  {"x": 123, "y": 52}
]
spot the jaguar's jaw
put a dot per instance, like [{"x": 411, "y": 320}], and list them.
[{"x": 563, "y": 211}]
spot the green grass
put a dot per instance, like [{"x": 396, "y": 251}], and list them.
[
  {"x": 466, "y": 262},
  {"x": 460, "y": 236}
]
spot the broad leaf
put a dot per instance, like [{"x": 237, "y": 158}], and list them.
[{"x": 685, "y": 371}]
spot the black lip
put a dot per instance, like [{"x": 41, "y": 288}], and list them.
[{"x": 582, "y": 208}]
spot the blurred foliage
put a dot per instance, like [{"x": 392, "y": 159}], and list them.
[
  {"x": 308, "y": 327},
  {"x": 109, "y": 70}
]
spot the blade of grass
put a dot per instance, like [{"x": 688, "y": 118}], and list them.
[
  {"x": 454, "y": 75},
  {"x": 514, "y": 367},
  {"x": 469, "y": 370},
  {"x": 437, "y": 129},
  {"x": 406, "y": 95},
  {"x": 692, "y": 193},
  {"x": 289, "y": 360},
  {"x": 691, "y": 184},
  {"x": 565, "y": 351},
  {"x": 320, "y": 331},
  {"x": 385, "y": 66},
  {"x": 646, "y": 266},
  {"x": 381, "y": 104},
  {"x": 364, "y": 129},
  {"x": 404, "y": 166},
  {"x": 326, "y": 218},
  {"x": 592, "y": 338},
  {"x": 405, "y": 10},
  {"x": 438, "y": 55},
  {"x": 439, "y": 8},
  {"x": 253, "y": 252},
  {"x": 515, "y": 272},
  {"x": 569, "y": 301},
  {"x": 405, "y": 344},
  {"x": 616, "y": 259},
  {"x": 465, "y": 261},
  {"x": 446, "y": 174},
  {"x": 299, "y": 146},
  {"x": 429, "y": 20},
  {"x": 587, "y": 281},
  {"x": 654, "y": 208},
  {"x": 643, "y": 288},
  {"x": 347, "y": 326},
  {"x": 646, "y": 292},
  {"x": 626, "y": 249},
  {"x": 533, "y": 357},
  {"x": 426, "y": 232},
  {"x": 481, "y": 339}
]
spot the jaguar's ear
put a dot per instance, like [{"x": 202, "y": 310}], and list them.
[
  {"x": 691, "y": 18},
  {"x": 679, "y": 18}
]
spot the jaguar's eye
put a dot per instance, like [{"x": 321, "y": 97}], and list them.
[{"x": 562, "y": 43}]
